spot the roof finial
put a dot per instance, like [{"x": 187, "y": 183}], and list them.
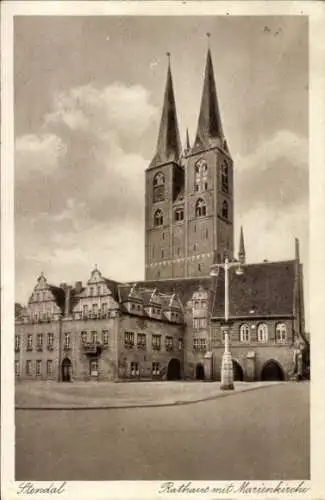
[
  {"x": 208, "y": 37},
  {"x": 168, "y": 55}
]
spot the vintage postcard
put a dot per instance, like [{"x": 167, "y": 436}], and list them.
[{"x": 162, "y": 249}]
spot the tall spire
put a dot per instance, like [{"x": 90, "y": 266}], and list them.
[
  {"x": 241, "y": 253},
  {"x": 209, "y": 131},
  {"x": 168, "y": 144},
  {"x": 187, "y": 143}
]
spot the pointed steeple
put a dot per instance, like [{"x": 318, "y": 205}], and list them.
[
  {"x": 241, "y": 253},
  {"x": 187, "y": 144},
  {"x": 168, "y": 144},
  {"x": 209, "y": 131}
]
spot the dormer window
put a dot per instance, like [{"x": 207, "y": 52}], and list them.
[
  {"x": 158, "y": 218},
  {"x": 200, "y": 208},
  {"x": 158, "y": 187}
]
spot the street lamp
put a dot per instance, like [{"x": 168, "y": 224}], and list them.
[{"x": 227, "y": 376}]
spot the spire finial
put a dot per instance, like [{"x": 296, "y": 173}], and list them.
[
  {"x": 168, "y": 56},
  {"x": 208, "y": 37},
  {"x": 241, "y": 253}
]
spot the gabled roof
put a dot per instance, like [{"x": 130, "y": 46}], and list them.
[{"x": 264, "y": 289}]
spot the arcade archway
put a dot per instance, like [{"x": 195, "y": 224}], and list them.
[
  {"x": 66, "y": 370},
  {"x": 272, "y": 370},
  {"x": 174, "y": 370},
  {"x": 237, "y": 371}
]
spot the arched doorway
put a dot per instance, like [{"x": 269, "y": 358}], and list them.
[
  {"x": 199, "y": 372},
  {"x": 66, "y": 370},
  {"x": 272, "y": 371},
  {"x": 237, "y": 371},
  {"x": 174, "y": 370}
]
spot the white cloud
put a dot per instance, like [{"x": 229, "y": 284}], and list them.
[{"x": 38, "y": 152}]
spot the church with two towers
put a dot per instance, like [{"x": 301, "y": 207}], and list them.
[{"x": 170, "y": 325}]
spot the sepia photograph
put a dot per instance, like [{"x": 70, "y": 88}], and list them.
[{"x": 161, "y": 222}]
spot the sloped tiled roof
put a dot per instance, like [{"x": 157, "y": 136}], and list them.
[
  {"x": 183, "y": 287},
  {"x": 59, "y": 295},
  {"x": 264, "y": 289}
]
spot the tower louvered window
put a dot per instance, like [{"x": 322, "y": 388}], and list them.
[
  {"x": 224, "y": 178},
  {"x": 158, "y": 187},
  {"x": 158, "y": 218},
  {"x": 225, "y": 210},
  {"x": 201, "y": 176},
  {"x": 200, "y": 208}
]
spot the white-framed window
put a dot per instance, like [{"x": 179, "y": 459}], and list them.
[
  {"x": 134, "y": 369},
  {"x": 17, "y": 343},
  {"x": 38, "y": 367},
  {"x": 50, "y": 341},
  {"x": 85, "y": 309},
  {"x": 39, "y": 344},
  {"x": 158, "y": 219},
  {"x": 244, "y": 333},
  {"x": 104, "y": 307},
  {"x": 49, "y": 367},
  {"x": 93, "y": 367},
  {"x": 94, "y": 309},
  {"x": 83, "y": 337},
  {"x": 169, "y": 343},
  {"x": 262, "y": 332},
  {"x": 156, "y": 342},
  {"x": 200, "y": 208},
  {"x": 200, "y": 323},
  {"x": 158, "y": 187},
  {"x": 28, "y": 367},
  {"x": 29, "y": 342},
  {"x": 281, "y": 333},
  {"x": 105, "y": 337},
  {"x": 155, "y": 368},
  {"x": 141, "y": 341},
  {"x": 94, "y": 337},
  {"x": 129, "y": 339},
  {"x": 67, "y": 341},
  {"x": 199, "y": 344},
  {"x": 17, "y": 369}
]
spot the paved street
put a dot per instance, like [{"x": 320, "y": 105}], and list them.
[{"x": 262, "y": 434}]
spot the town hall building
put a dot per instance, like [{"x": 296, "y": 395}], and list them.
[{"x": 170, "y": 326}]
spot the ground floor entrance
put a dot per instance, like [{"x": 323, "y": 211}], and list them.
[
  {"x": 272, "y": 371},
  {"x": 66, "y": 370},
  {"x": 237, "y": 371},
  {"x": 199, "y": 372},
  {"x": 174, "y": 370}
]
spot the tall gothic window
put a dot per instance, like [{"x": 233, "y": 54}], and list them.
[
  {"x": 201, "y": 176},
  {"x": 224, "y": 177},
  {"x": 158, "y": 187},
  {"x": 200, "y": 208},
  {"x": 158, "y": 218},
  {"x": 244, "y": 333},
  {"x": 281, "y": 332},
  {"x": 262, "y": 332},
  {"x": 225, "y": 210}
]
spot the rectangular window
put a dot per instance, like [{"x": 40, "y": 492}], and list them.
[
  {"x": 94, "y": 368},
  {"x": 38, "y": 367},
  {"x": 199, "y": 345},
  {"x": 85, "y": 310},
  {"x": 141, "y": 341},
  {"x": 129, "y": 339},
  {"x": 50, "y": 341},
  {"x": 156, "y": 342},
  {"x": 67, "y": 344},
  {"x": 29, "y": 342},
  {"x": 83, "y": 337},
  {"x": 94, "y": 337},
  {"x": 39, "y": 345},
  {"x": 134, "y": 369},
  {"x": 155, "y": 369},
  {"x": 105, "y": 337},
  {"x": 104, "y": 307},
  {"x": 169, "y": 343},
  {"x": 17, "y": 368},
  {"x": 17, "y": 343},
  {"x": 28, "y": 367},
  {"x": 162, "y": 253},
  {"x": 49, "y": 367}
]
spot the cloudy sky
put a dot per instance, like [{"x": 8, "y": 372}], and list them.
[{"x": 88, "y": 96}]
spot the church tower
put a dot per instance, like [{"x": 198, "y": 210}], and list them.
[
  {"x": 189, "y": 192},
  {"x": 208, "y": 187},
  {"x": 163, "y": 189}
]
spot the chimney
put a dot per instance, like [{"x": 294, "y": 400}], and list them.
[
  {"x": 78, "y": 287},
  {"x": 67, "y": 301},
  {"x": 63, "y": 285}
]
